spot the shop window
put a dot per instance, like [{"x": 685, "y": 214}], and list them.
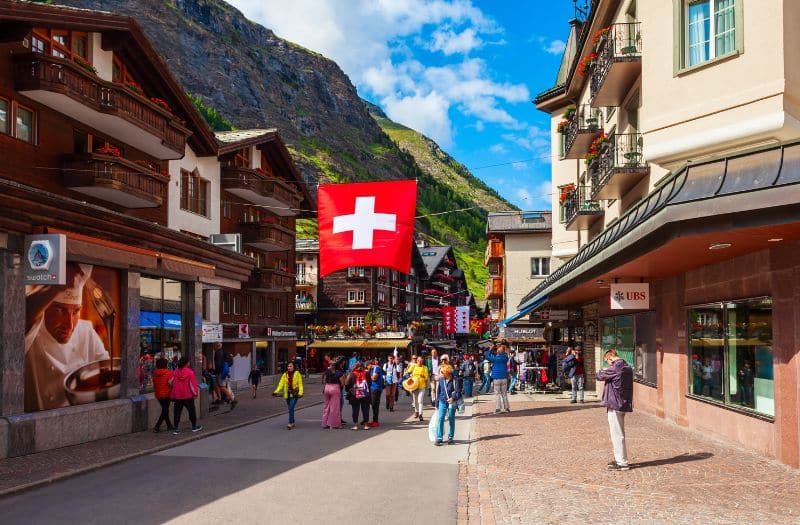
[
  {"x": 4, "y": 116},
  {"x": 730, "y": 354},
  {"x": 194, "y": 193},
  {"x": 617, "y": 334},
  {"x": 160, "y": 321},
  {"x": 645, "y": 360}
]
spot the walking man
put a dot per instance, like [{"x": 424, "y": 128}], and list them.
[
  {"x": 392, "y": 376},
  {"x": 468, "y": 371},
  {"x": 618, "y": 399},
  {"x": 513, "y": 372},
  {"x": 499, "y": 376}
]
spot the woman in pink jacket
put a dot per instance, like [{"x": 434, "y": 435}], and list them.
[{"x": 184, "y": 390}]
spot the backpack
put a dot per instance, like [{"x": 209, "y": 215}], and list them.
[
  {"x": 361, "y": 389},
  {"x": 226, "y": 370},
  {"x": 470, "y": 369}
]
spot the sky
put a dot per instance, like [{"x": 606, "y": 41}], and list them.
[{"x": 463, "y": 72}]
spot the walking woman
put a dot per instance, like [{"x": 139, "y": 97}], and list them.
[
  {"x": 184, "y": 390},
  {"x": 332, "y": 380},
  {"x": 291, "y": 388},
  {"x": 162, "y": 390},
  {"x": 358, "y": 395},
  {"x": 420, "y": 373},
  {"x": 448, "y": 395}
]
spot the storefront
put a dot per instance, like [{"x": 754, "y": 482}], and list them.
[{"x": 713, "y": 342}]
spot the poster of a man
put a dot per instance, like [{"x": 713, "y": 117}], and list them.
[{"x": 67, "y": 328}]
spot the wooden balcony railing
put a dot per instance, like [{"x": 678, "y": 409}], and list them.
[
  {"x": 39, "y": 72},
  {"x": 115, "y": 180},
  {"x": 618, "y": 167},
  {"x": 494, "y": 249},
  {"x": 267, "y": 236},
  {"x": 259, "y": 188},
  {"x": 494, "y": 288},
  {"x": 618, "y": 64},
  {"x": 268, "y": 280}
]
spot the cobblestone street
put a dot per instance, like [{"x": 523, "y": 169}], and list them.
[{"x": 545, "y": 462}]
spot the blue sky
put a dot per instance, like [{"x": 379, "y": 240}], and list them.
[{"x": 463, "y": 72}]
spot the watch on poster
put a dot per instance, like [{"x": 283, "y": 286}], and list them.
[{"x": 366, "y": 224}]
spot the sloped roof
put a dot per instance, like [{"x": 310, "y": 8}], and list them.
[
  {"x": 240, "y": 135},
  {"x": 520, "y": 221},
  {"x": 306, "y": 245},
  {"x": 432, "y": 256}
]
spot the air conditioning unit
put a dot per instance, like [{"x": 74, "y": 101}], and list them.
[{"x": 231, "y": 241}]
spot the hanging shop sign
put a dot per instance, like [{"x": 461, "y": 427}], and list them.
[
  {"x": 270, "y": 332},
  {"x": 212, "y": 333},
  {"x": 630, "y": 296},
  {"x": 522, "y": 332},
  {"x": 46, "y": 259},
  {"x": 244, "y": 331}
]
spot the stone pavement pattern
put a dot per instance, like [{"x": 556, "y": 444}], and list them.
[
  {"x": 44, "y": 467},
  {"x": 545, "y": 462}
]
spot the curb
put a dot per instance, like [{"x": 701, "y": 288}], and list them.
[{"x": 133, "y": 455}]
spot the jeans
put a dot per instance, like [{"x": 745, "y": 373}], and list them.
[
  {"x": 360, "y": 405},
  {"x": 164, "y": 417},
  {"x": 449, "y": 411},
  {"x": 375, "y": 401},
  {"x": 291, "y": 402},
  {"x": 616, "y": 425},
  {"x": 501, "y": 394},
  {"x": 391, "y": 395},
  {"x": 486, "y": 384},
  {"x": 577, "y": 386},
  {"x": 178, "y": 408},
  {"x": 469, "y": 385},
  {"x": 513, "y": 386}
]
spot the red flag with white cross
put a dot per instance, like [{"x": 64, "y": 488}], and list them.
[{"x": 366, "y": 224}]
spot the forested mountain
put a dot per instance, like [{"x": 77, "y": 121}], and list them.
[{"x": 251, "y": 78}]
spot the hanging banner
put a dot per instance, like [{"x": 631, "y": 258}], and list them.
[
  {"x": 449, "y": 320},
  {"x": 630, "y": 296},
  {"x": 244, "y": 331},
  {"x": 462, "y": 320}
]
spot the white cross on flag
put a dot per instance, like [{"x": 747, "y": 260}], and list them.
[{"x": 366, "y": 224}]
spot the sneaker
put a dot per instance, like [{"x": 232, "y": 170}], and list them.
[
  {"x": 617, "y": 467},
  {"x": 233, "y": 404},
  {"x": 450, "y": 441},
  {"x": 374, "y": 424},
  {"x": 198, "y": 428},
  {"x": 157, "y": 430},
  {"x": 581, "y": 401},
  {"x": 508, "y": 410},
  {"x": 366, "y": 426},
  {"x": 496, "y": 410},
  {"x": 421, "y": 418},
  {"x": 438, "y": 442},
  {"x": 354, "y": 427},
  {"x": 176, "y": 432},
  {"x": 572, "y": 401}
]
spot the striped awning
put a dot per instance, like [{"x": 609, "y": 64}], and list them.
[
  {"x": 339, "y": 343},
  {"x": 386, "y": 343}
]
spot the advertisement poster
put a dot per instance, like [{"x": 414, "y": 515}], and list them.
[{"x": 72, "y": 339}]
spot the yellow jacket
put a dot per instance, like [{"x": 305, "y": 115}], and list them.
[
  {"x": 297, "y": 384},
  {"x": 421, "y": 373}
]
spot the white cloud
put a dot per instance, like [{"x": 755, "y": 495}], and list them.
[
  {"x": 371, "y": 40},
  {"x": 524, "y": 195},
  {"x": 480, "y": 126},
  {"x": 536, "y": 140},
  {"x": 519, "y": 165},
  {"x": 556, "y": 47},
  {"x": 449, "y": 42},
  {"x": 537, "y": 198},
  {"x": 498, "y": 148}
]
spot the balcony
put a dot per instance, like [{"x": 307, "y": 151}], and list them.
[
  {"x": 267, "y": 236},
  {"x": 618, "y": 65},
  {"x": 494, "y": 288},
  {"x": 105, "y": 106},
  {"x": 305, "y": 281},
  {"x": 494, "y": 250},
  {"x": 268, "y": 280},
  {"x": 304, "y": 307},
  {"x": 578, "y": 212},
  {"x": 580, "y": 127},
  {"x": 619, "y": 166},
  {"x": 115, "y": 180},
  {"x": 256, "y": 187}
]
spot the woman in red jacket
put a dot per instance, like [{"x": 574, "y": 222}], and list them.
[
  {"x": 184, "y": 390},
  {"x": 162, "y": 390}
]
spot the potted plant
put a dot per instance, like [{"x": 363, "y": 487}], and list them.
[
  {"x": 565, "y": 193},
  {"x": 108, "y": 149},
  {"x": 599, "y": 38},
  {"x": 587, "y": 64}
]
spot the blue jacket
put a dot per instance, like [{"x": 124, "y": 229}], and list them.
[
  {"x": 568, "y": 365},
  {"x": 447, "y": 389},
  {"x": 499, "y": 365}
]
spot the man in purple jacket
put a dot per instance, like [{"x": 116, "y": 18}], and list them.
[{"x": 618, "y": 399}]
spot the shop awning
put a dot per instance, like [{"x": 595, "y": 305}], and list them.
[
  {"x": 170, "y": 321},
  {"x": 524, "y": 311},
  {"x": 739, "y": 201},
  {"x": 300, "y": 343},
  {"x": 341, "y": 343},
  {"x": 386, "y": 343}
]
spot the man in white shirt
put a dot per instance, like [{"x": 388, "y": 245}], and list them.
[
  {"x": 57, "y": 340},
  {"x": 434, "y": 369}
]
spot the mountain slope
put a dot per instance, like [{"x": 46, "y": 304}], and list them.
[{"x": 253, "y": 78}]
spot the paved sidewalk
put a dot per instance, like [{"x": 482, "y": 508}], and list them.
[
  {"x": 26, "y": 472},
  {"x": 545, "y": 462}
]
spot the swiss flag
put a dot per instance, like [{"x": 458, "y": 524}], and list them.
[{"x": 366, "y": 224}]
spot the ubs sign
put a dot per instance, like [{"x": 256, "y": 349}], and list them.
[{"x": 630, "y": 296}]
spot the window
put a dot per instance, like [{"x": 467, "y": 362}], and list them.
[
  {"x": 617, "y": 333},
  {"x": 540, "y": 266},
  {"x": 242, "y": 158},
  {"x": 730, "y": 354},
  {"x": 262, "y": 306},
  {"x": 25, "y": 124},
  {"x": 227, "y": 212},
  {"x": 644, "y": 348},
  {"x": 381, "y": 297},
  {"x": 356, "y": 271},
  {"x": 300, "y": 271},
  {"x": 355, "y": 296},
  {"x": 355, "y": 321},
  {"x": 226, "y": 303},
  {"x": 160, "y": 320},
  {"x": 194, "y": 193},
  {"x": 69, "y": 45},
  {"x": 236, "y": 304},
  {"x": 532, "y": 218},
  {"x": 709, "y": 30},
  {"x": 4, "y": 116}
]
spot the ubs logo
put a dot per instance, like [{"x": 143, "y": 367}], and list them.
[{"x": 40, "y": 255}]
